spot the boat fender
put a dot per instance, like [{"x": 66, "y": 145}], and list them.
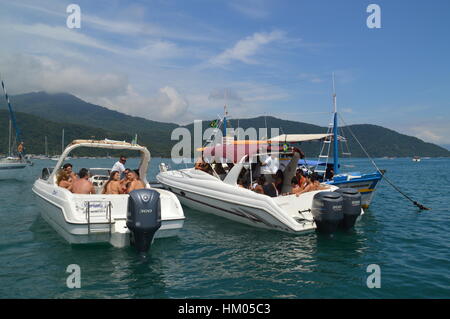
[
  {"x": 143, "y": 217},
  {"x": 327, "y": 210},
  {"x": 351, "y": 206}
]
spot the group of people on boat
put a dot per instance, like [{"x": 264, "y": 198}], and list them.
[
  {"x": 300, "y": 183},
  {"x": 266, "y": 176},
  {"x": 121, "y": 180}
]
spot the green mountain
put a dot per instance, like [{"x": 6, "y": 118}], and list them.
[
  {"x": 35, "y": 129},
  {"x": 41, "y": 114},
  {"x": 66, "y": 108}
]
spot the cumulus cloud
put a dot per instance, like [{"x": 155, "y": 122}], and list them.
[
  {"x": 245, "y": 49},
  {"x": 167, "y": 105},
  {"x": 26, "y": 73}
]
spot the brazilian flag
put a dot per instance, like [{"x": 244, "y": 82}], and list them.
[{"x": 214, "y": 123}]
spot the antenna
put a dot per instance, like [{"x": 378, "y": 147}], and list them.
[{"x": 334, "y": 95}]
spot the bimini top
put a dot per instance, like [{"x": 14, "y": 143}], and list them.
[
  {"x": 295, "y": 138},
  {"x": 106, "y": 144}
]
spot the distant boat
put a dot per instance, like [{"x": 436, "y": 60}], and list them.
[
  {"x": 416, "y": 159},
  {"x": 13, "y": 166}
]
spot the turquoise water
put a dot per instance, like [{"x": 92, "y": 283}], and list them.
[{"x": 217, "y": 258}]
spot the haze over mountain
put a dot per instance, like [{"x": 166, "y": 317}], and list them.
[{"x": 42, "y": 114}]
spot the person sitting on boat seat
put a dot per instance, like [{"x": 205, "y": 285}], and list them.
[
  {"x": 125, "y": 182},
  {"x": 300, "y": 177},
  {"x": 279, "y": 178},
  {"x": 296, "y": 188},
  {"x": 220, "y": 171},
  {"x": 313, "y": 185},
  {"x": 68, "y": 169},
  {"x": 113, "y": 186},
  {"x": 199, "y": 163},
  {"x": 135, "y": 181},
  {"x": 82, "y": 185},
  {"x": 270, "y": 189},
  {"x": 63, "y": 180},
  {"x": 240, "y": 182},
  {"x": 258, "y": 186}
]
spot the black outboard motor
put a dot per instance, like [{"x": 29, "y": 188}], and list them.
[
  {"x": 327, "y": 210},
  {"x": 143, "y": 217},
  {"x": 351, "y": 207}
]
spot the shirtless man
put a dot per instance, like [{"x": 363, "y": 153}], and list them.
[
  {"x": 113, "y": 186},
  {"x": 82, "y": 185},
  {"x": 135, "y": 182}
]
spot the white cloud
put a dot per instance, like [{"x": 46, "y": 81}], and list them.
[
  {"x": 167, "y": 105},
  {"x": 432, "y": 134},
  {"x": 62, "y": 33},
  {"x": 255, "y": 9},
  {"x": 156, "y": 50},
  {"x": 245, "y": 49},
  {"x": 25, "y": 73}
]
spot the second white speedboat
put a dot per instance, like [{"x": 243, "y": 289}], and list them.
[
  {"x": 222, "y": 196},
  {"x": 136, "y": 218}
]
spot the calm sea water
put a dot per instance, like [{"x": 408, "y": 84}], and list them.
[{"x": 217, "y": 258}]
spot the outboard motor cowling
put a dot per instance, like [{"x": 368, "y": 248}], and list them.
[
  {"x": 143, "y": 217},
  {"x": 327, "y": 210},
  {"x": 351, "y": 206}
]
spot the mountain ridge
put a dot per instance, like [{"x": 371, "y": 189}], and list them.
[{"x": 63, "y": 110}]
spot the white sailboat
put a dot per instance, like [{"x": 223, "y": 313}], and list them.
[{"x": 12, "y": 166}]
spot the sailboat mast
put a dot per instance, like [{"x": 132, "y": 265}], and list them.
[
  {"x": 335, "y": 133},
  {"x": 62, "y": 142},
  {"x": 224, "y": 132},
  {"x": 9, "y": 139},
  {"x": 46, "y": 146},
  {"x": 12, "y": 117}
]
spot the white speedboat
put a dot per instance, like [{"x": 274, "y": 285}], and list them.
[
  {"x": 222, "y": 196},
  {"x": 136, "y": 218}
]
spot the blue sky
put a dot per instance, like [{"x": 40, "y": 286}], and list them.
[{"x": 177, "y": 61}]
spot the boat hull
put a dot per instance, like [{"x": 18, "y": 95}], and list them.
[
  {"x": 290, "y": 214},
  {"x": 12, "y": 171},
  {"x": 365, "y": 184}
]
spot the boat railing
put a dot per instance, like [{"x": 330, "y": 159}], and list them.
[{"x": 93, "y": 208}]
